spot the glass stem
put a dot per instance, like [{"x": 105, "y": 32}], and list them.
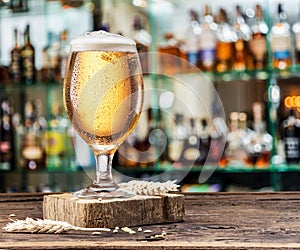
[{"x": 104, "y": 170}]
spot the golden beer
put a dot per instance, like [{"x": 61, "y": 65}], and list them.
[{"x": 102, "y": 95}]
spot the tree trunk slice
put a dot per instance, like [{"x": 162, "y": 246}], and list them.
[{"x": 136, "y": 211}]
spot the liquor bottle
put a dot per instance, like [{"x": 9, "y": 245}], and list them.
[
  {"x": 291, "y": 138},
  {"x": 69, "y": 157},
  {"x": 28, "y": 59},
  {"x": 33, "y": 148},
  {"x": 171, "y": 62},
  {"x": 127, "y": 154},
  {"x": 7, "y": 137},
  {"x": 241, "y": 56},
  {"x": 205, "y": 142},
  {"x": 235, "y": 152},
  {"x": 4, "y": 75},
  {"x": 177, "y": 140},
  {"x": 55, "y": 138},
  {"x": 207, "y": 41},
  {"x": 243, "y": 134},
  {"x": 281, "y": 41},
  {"x": 258, "y": 44},
  {"x": 192, "y": 40},
  {"x": 19, "y": 132},
  {"x": 15, "y": 55},
  {"x": 159, "y": 138},
  {"x": 53, "y": 53},
  {"x": 225, "y": 36},
  {"x": 63, "y": 54},
  {"x": 191, "y": 152},
  {"x": 45, "y": 73},
  {"x": 296, "y": 30},
  {"x": 19, "y": 5},
  {"x": 143, "y": 40},
  {"x": 218, "y": 131},
  {"x": 259, "y": 141},
  {"x": 146, "y": 144}
]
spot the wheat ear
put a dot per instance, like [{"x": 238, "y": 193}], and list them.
[
  {"x": 150, "y": 187},
  {"x": 30, "y": 225}
]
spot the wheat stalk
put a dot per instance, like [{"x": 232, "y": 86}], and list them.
[
  {"x": 30, "y": 225},
  {"x": 150, "y": 187}
]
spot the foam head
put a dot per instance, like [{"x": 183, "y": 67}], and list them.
[{"x": 102, "y": 40}]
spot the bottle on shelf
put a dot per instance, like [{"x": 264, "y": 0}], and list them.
[
  {"x": 225, "y": 36},
  {"x": 55, "y": 139},
  {"x": 33, "y": 156},
  {"x": 257, "y": 141},
  {"x": 69, "y": 158},
  {"x": 7, "y": 137},
  {"x": 53, "y": 52},
  {"x": 145, "y": 144},
  {"x": 45, "y": 73},
  {"x": 207, "y": 41},
  {"x": 177, "y": 140},
  {"x": 127, "y": 154},
  {"x": 291, "y": 138},
  {"x": 28, "y": 59},
  {"x": 258, "y": 42},
  {"x": 192, "y": 39},
  {"x": 147, "y": 147},
  {"x": 19, "y": 133},
  {"x": 4, "y": 75},
  {"x": 139, "y": 149},
  {"x": 235, "y": 152},
  {"x": 143, "y": 40},
  {"x": 241, "y": 59},
  {"x": 19, "y": 6},
  {"x": 170, "y": 57},
  {"x": 244, "y": 135},
  {"x": 281, "y": 41},
  {"x": 191, "y": 150},
  {"x": 63, "y": 53},
  {"x": 205, "y": 141},
  {"x": 217, "y": 141},
  {"x": 159, "y": 138},
  {"x": 15, "y": 55},
  {"x": 296, "y": 30}
]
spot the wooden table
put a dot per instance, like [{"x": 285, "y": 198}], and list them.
[{"x": 213, "y": 221}]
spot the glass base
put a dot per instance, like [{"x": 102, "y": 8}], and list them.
[{"x": 93, "y": 192}]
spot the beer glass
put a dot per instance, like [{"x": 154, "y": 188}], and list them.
[{"x": 103, "y": 98}]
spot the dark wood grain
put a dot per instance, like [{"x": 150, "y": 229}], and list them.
[{"x": 213, "y": 221}]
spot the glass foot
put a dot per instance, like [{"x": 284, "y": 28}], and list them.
[{"x": 96, "y": 193}]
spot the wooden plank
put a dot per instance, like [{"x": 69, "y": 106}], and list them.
[
  {"x": 212, "y": 221},
  {"x": 110, "y": 213},
  {"x": 138, "y": 245}
]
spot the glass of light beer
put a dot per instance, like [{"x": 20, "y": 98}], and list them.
[{"x": 103, "y": 98}]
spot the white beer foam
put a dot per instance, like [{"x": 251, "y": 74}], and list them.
[{"x": 102, "y": 40}]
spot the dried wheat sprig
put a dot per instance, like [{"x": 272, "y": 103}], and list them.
[
  {"x": 150, "y": 187},
  {"x": 30, "y": 225}
]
